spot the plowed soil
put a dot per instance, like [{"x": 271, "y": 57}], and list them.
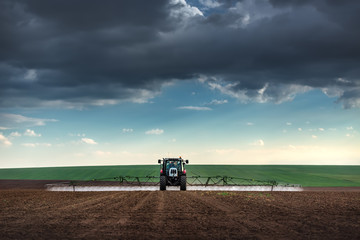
[{"x": 38, "y": 214}]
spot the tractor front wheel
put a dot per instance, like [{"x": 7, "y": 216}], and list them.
[
  {"x": 162, "y": 183},
  {"x": 183, "y": 183}
]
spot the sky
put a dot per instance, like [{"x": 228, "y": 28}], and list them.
[{"x": 214, "y": 81}]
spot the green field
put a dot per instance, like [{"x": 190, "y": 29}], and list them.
[{"x": 307, "y": 176}]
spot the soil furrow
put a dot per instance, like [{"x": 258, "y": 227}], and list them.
[{"x": 179, "y": 215}]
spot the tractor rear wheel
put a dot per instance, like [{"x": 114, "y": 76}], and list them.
[
  {"x": 162, "y": 183},
  {"x": 183, "y": 183}
]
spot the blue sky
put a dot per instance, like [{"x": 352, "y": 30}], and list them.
[
  {"x": 229, "y": 132},
  {"x": 218, "y": 82}
]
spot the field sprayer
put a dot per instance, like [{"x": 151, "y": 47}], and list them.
[{"x": 173, "y": 176}]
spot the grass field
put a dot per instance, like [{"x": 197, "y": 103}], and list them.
[{"x": 306, "y": 175}]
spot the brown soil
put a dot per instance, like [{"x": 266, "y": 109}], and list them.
[{"x": 39, "y": 214}]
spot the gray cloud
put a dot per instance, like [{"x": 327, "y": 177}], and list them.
[
  {"x": 9, "y": 121},
  {"x": 72, "y": 54}
]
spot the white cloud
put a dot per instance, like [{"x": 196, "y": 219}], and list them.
[
  {"x": 218, "y": 102},
  {"x": 88, "y": 141},
  {"x": 268, "y": 93},
  {"x": 141, "y": 95},
  {"x": 333, "y": 91},
  {"x": 131, "y": 95},
  {"x": 8, "y": 120},
  {"x": 156, "y": 131},
  {"x": 127, "y": 130},
  {"x": 31, "y": 133},
  {"x": 210, "y": 3},
  {"x": 15, "y": 134},
  {"x": 77, "y": 134},
  {"x": 259, "y": 142},
  {"x": 289, "y": 123},
  {"x": 103, "y": 102},
  {"x": 351, "y": 102},
  {"x": 321, "y": 129},
  {"x": 250, "y": 124},
  {"x": 195, "y": 108},
  {"x": 314, "y": 136},
  {"x": 173, "y": 140},
  {"x": 36, "y": 144},
  {"x": 340, "y": 92},
  {"x": 30, "y": 75},
  {"x": 343, "y": 80},
  {"x": 299, "y": 129},
  {"x": 4, "y": 141},
  {"x": 251, "y": 11},
  {"x": 349, "y": 128},
  {"x": 183, "y": 11}
]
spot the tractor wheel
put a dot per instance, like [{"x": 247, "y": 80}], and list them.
[
  {"x": 183, "y": 183},
  {"x": 162, "y": 183}
]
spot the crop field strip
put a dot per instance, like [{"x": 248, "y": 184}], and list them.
[{"x": 307, "y": 176}]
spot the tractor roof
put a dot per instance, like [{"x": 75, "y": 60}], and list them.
[{"x": 172, "y": 159}]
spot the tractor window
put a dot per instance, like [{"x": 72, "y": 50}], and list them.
[{"x": 173, "y": 164}]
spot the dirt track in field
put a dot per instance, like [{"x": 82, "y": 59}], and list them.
[{"x": 38, "y": 214}]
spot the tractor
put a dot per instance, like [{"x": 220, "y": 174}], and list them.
[{"x": 172, "y": 173}]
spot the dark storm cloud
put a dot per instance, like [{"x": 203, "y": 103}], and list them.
[{"x": 91, "y": 52}]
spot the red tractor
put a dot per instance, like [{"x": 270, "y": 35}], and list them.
[{"x": 172, "y": 173}]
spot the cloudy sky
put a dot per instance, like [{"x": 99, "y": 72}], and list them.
[{"x": 215, "y": 81}]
